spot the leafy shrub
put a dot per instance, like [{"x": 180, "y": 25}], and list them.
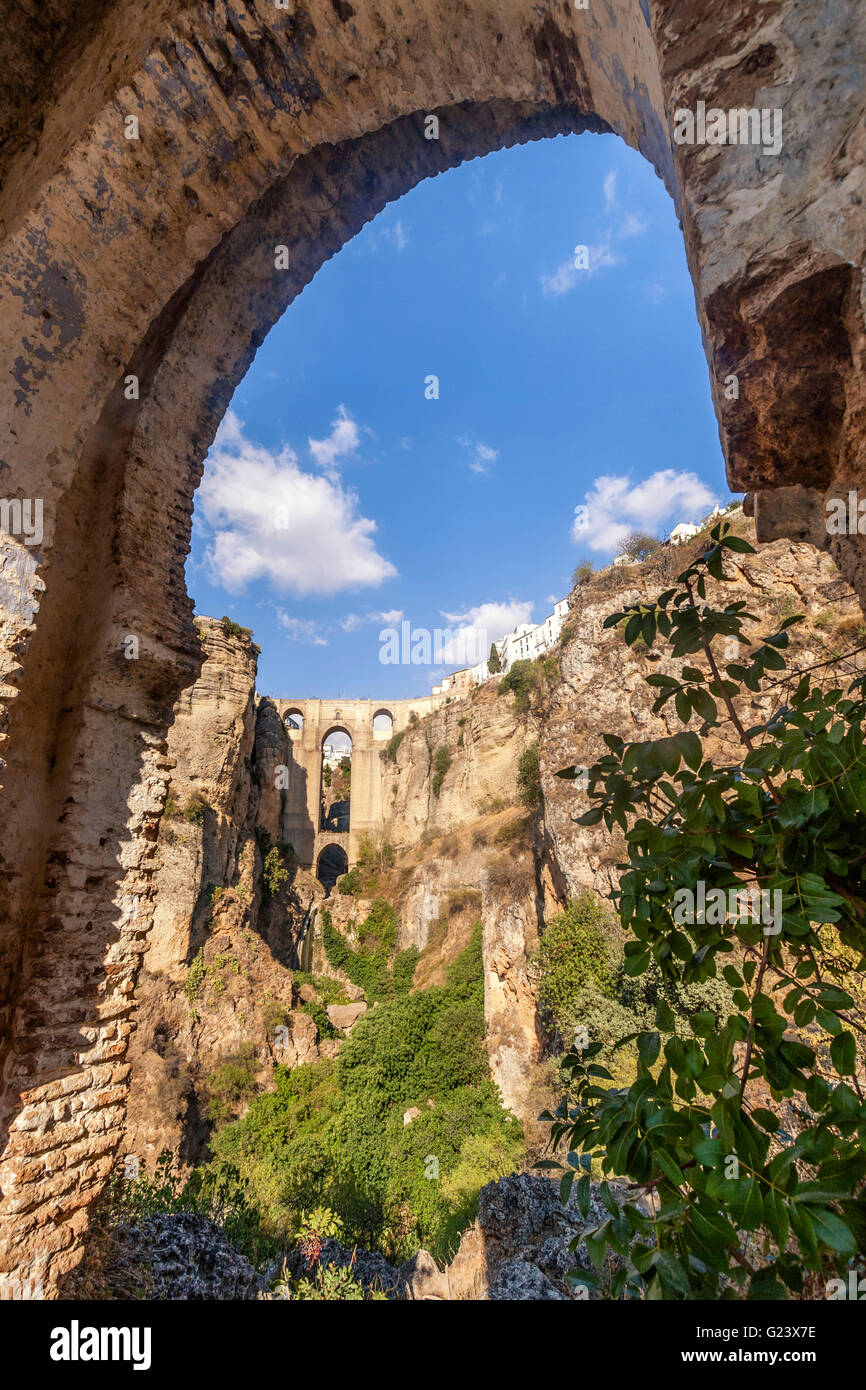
[
  {"x": 375, "y": 852},
  {"x": 527, "y": 679},
  {"x": 380, "y": 925},
  {"x": 231, "y": 1083},
  {"x": 639, "y": 545},
  {"x": 195, "y": 808},
  {"x": 389, "y": 753},
  {"x": 441, "y": 764},
  {"x": 274, "y": 872},
  {"x": 583, "y": 572},
  {"x": 529, "y": 776},
  {"x": 573, "y": 950},
  {"x": 368, "y": 969},
  {"x": 329, "y": 990},
  {"x": 351, "y": 884},
  {"x": 403, "y": 970},
  {"x": 324, "y": 1027}
]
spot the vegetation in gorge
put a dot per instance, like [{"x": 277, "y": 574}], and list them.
[
  {"x": 530, "y": 680},
  {"x": 751, "y": 1200},
  {"x": 529, "y": 776},
  {"x": 441, "y": 764},
  {"x": 333, "y": 1133},
  {"x": 370, "y": 965}
]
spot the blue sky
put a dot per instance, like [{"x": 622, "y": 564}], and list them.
[{"x": 336, "y": 492}]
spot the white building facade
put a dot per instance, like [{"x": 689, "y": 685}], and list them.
[{"x": 527, "y": 642}]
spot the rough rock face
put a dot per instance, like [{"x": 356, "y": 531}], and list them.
[
  {"x": 484, "y": 737},
  {"x": 179, "y": 1256},
  {"x": 603, "y": 689},
  {"x": 216, "y": 974}
]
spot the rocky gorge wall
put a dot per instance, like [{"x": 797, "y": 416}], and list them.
[{"x": 464, "y": 847}]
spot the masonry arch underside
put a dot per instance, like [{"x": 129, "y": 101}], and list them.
[
  {"x": 331, "y": 863},
  {"x": 155, "y": 260}
]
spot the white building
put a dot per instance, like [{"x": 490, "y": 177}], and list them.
[
  {"x": 527, "y": 642},
  {"x": 683, "y": 532}
]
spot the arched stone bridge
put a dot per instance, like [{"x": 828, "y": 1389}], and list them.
[{"x": 321, "y": 719}]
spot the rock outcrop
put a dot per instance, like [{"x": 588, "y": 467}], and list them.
[{"x": 217, "y": 981}]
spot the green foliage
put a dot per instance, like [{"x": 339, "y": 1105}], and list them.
[
  {"x": 573, "y": 951},
  {"x": 529, "y": 776},
  {"x": 376, "y": 853},
  {"x": 217, "y": 1192},
  {"x": 380, "y": 925},
  {"x": 274, "y": 872},
  {"x": 403, "y": 969},
  {"x": 744, "y": 1206},
  {"x": 367, "y": 967},
  {"x": 195, "y": 975},
  {"x": 329, "y": 990},
  {"x": 530, "y": 679},
  {"x": 351, "y": 884},
  {"x": 195, "y": 808},
  {"x": 494, "y": 661},
  {"x": 171, "y": 809},
  {"x": 389, "y": 752},
  {"x": 441, "y": 764},
  {"x": 324, "y": 1027},
  {"x": 203, "y": 972},
  {"x": 231, "y": 1083},
  {"x": 332, "y": 1133}
]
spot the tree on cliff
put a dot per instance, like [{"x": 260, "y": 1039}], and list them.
[
  {"x": 747, "y": 1133},
  {"x": 494, "y": 665}
]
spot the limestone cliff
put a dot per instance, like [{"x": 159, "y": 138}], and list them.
[{"x": 218, "y": 980}]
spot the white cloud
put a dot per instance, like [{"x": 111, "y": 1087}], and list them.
[
  {"x": 472, "y": 632},
  {"x": 602, "y": 256},
  {"x": 614, "y": 506},
  {"x": 632, "y": 225},
  {"x": 567, "y": 276},
  {"x": 397, "y": 235},
  {"x": 301, "y": 629},
  {"x": 482, "y": 455},
  {"x": 343, "y": 440},
  {"x": 268, "y": 519},
  {"x": 382, "y": 233},
  {"x": 353, "y": 621}
]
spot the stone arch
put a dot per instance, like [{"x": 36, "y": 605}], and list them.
[
  {"x": 262, "y": 127},
  {"x": 385, "y": 728},
  {"x": 294, "y": 720},
  {"x": 332, "y": 862}
]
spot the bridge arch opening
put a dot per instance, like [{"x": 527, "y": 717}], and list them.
[
  {"x": 383, "y": 723},
  {"x": 336, "y": 795},
  {"x": 332, "y": 863},
  {"x": 294, "y": 721}
]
